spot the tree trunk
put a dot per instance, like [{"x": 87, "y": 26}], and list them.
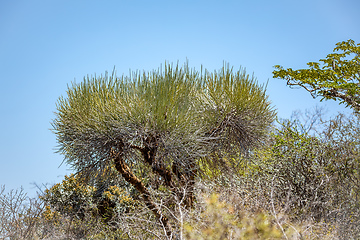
[
  {"x": 185, "y": 179},
  {"x": 130, "y": 177}
]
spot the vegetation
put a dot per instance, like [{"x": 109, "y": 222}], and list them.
[
  {"x": 170, "y": 122},
  {"x": 338, "y": 78},
  {"x": 181, "y": 154}
]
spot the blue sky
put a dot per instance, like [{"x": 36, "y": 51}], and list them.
[{"x": 45, "y": 45}]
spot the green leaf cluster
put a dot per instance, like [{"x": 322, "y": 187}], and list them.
[{"x": 337, "y": 77}]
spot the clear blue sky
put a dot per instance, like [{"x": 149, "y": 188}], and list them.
[{"x": 45, "y": 45}]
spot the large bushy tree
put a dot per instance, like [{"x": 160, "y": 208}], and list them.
[{"x": 167, "y": 124}]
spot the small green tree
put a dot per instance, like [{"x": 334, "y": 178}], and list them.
[
  {"x": 163, "y": 125},
  {"x": 338, "y": 78}
]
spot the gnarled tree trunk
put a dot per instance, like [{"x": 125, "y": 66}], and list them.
[{"x": 130, "y": 177}]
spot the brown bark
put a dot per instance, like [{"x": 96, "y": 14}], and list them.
[
  {"x": 352, "y": 101},
  {"x": 130, "y": 177},
  {"x": 184, "y": 178}
]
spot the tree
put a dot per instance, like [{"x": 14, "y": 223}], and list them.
[
  {"x": 161, "y": 126},
  {"x": 338, "y": 78}
]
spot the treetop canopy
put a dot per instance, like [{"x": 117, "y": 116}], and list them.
[{"x": 188, "y": 113}]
